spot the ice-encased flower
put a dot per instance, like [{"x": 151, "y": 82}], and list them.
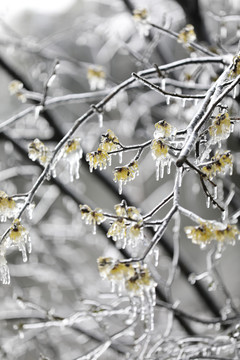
[
  {"x": 109, "y": 142},
  {"x": 187, "y": 34},
  {"x": 15, "y": 88},
  {"x": 220, "y": 129},
  {"x": 73, "y": 153},
  {"x": 126, "y": 173},
  {"x": 92, "y": 217},
  {"x": 38, "y": 151},
  {"x": 8, "y": 207},
  {"x": 220, "y": 164},
  {"x": 98, "y": 158},
  {"x": 164, "y": 130},
  {"x": 96, "y": 78},
  {"x": 161, "y": 156},
  {"x": 141, "y": 18},
  {"x": 19, "y": 236}
]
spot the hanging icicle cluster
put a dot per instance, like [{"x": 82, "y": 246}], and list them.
[{"x": 136, "y": 280}]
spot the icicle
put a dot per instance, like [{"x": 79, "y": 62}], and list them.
[
  {"x": 120, "y": 157},
  {"x": 223, "y": 31},
  {"x": 231, "y": 170},
  {"x": 180, "y": 180},
  {"x": 143, "y": 307},
  {"x": 169, "y": 167},
  {"x": 94, "y": 228},
  {"x": 168, "y": 98},
  {"x": 37, "y": 111},
  {"x": 196, "y": 102},
  {"x": 232, "y": 127},
  {"x": 235, "y": 92},
  {"x": 120, "y": 184},
  {"x": 156, "y": 256},
  {"x": 219, "y": 144},
  {"x": 208, "y": 201},
  {"x": 100, "y": 119},
  {"x": 157, "y": 170},
  {"x": 183, "y": 103},
  {"x": 192, "y": 278},
  {"x": 163, "y": 84},
  {"x": 161, "y": 169},
  {"x": 113, "y": 286},
  {"x": 215, "y": 195},
  {"x": 223, "y": 215}
]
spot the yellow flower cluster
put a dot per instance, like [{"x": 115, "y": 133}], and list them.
[
  {"x": 220, "y": 163},
  {"x": 134, "y": 278},
  {"x": 8, "y": 206},
  {"x": 206, "y": 232},
  {"x": 187, "y": 34},
  {"x": 164, "y": 130},
  {"x": 98, "y": 158},
  {"x": 121, "y": 231},
  {"x": 37, "y": 150},
  {"x": 92, "y": 216},
  {"x": 109, "y": 142},
  {"x": 19, "y": 236},
  {"x": 126, "y": 173},
  {"x": 15, "y": 88},
  {"x": 235, "y": 66},
  {"x": 96, "y": 78},
  {"x": 73, "y": 153},
  {"x": 220, "y": 128}
]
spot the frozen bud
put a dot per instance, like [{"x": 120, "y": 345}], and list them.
[
  {"x": 96, "y": 78},
  {"x": 15, "y": 88},
  {"x": 19, "y": 236},
  {"x": 164, "y": 130},
  {"x": 73, "y": 153},
  {"x": 38, "y": 151},
  {"x": 187, "y": 34}
]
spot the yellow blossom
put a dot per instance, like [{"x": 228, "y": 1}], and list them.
[
  {"x": 164, "y": 130},
  {"x": 15, "y": 88},
  {"x": 37, "y": 150},
  {"x": 92, "y": 216},
  {"x": 19, "y": 236},
  {"x": 126, "y": 173},
  {"x": 109, "y": 142},
  {"x": 8, "y": 207},
  {"x": 220, "y": 128},
  {"x": 73, "y": 153},
  {"x": 161, "y": 156},
  {"x": 141, "y": 18},
  {"x": 187, "y": 34},
  {"x": 118, "y": 231},
  {"x": 98, "y": 158},
  {"x": 219, "y": 164},
  {"x": 235, "y": 66},
  {"x": 96, "y": 78}
]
